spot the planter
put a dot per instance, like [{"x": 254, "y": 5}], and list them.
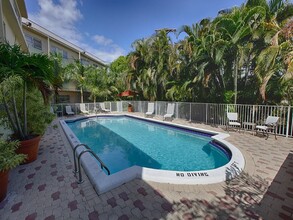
[
  {"x": 3, "y": 184},
  {"x": 30, "y": 148},
  {"x": 130, "y": 109}
]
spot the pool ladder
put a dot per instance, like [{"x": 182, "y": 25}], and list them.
[{"x": 77, "y": 166}]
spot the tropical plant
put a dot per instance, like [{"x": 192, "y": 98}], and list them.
[
  {"x": 59, "y": 74},
  {"x": 276, "y": 55},
  {"x": 118, "y": 73},
  {"x": 246, "y": 49},
  {"x": 8, "y": 158},
  {"x": 20, "y": 72},
  {"x": 99, "y": 84},
  {"x": 38, "y": 114},
  {"x": 77, "y": 71}
]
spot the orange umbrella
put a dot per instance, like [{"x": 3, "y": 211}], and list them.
[{"x": 127, "y": 93}]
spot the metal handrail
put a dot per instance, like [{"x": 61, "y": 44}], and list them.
[
  {"x": 78, "y": 161},
  {"x": 74, "y": 156}
]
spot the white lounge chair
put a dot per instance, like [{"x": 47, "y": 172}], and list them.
[
  {"x": 233, "y": 120},
  {"x": 271, "y": 124},
  {"x": 82, "y": 108},
  {"x": 170, "y": 111},
  {"x": 103, "y": 108},
  {"x": 68, "y": 110},
  {"x": 151, "y": 109}
]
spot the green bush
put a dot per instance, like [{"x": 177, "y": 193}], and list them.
[
  {"x": 38, "y": 114},
  {"x": 8, "y": 158}
]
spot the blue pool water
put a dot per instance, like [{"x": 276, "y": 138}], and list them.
[{"x": 122, "y": 142}]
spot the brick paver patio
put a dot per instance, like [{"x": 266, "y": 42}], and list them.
[{"x": 47, "y": 188}]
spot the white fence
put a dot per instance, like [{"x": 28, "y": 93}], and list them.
[{"x": 207, "y": 113}]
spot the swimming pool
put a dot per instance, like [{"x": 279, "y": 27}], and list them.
[
  {"x": 218, "y": 161},
  {"x": 122, "y": 142}
]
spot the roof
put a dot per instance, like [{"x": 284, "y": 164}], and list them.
[
  {"x": 29, "y": 24},
  {"x": 22, "y": 8}
]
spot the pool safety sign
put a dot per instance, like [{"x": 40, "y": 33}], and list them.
[{"x": 193, "y": 174}]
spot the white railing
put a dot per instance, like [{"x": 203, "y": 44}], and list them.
[{"x": 207, "y": 113}]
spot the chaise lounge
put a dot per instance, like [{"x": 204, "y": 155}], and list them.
[
  {"x": 103, "y": 108},
  {"x": 151, "y": 110},
  {"x": 83, "y": 109},
  {"x": 170, "y": 111},
  {"x": 68, "y": 110}
]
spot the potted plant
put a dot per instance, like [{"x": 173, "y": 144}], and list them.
[
  {"x": 38, "y": 118},
  {"x": 21, "y": 74},
  {"x": 8, "y": 160},
  {"x": 130, "y": 108}
]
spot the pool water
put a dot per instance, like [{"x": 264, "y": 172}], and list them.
[{"x": 122, "y": 142}]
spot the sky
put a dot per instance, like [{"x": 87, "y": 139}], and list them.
[{"x": 107, "y": 28}]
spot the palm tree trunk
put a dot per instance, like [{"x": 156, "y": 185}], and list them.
[
  {"x": 24, "y": 110},
  {"x": 221, "y": 77},
  {"x": 94, "y": 103},
  {"x": 235, "y": 80},
  {"x": 9, "y": 115},
  {"x": 81, "y": 95},
  {"x": 18, "y": 125}
]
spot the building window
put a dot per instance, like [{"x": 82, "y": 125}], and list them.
[
  {"x": 37, "y": 44},
  {"x": 64, "y": 98},
  {"x": 84, "y": 62},
  {"x": 33, "y": 42},
  {"x": 63, "y": 53}
]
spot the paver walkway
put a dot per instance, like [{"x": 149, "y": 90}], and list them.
[{"x": 47, "y": 188}]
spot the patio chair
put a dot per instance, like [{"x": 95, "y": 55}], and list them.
[
  {"x": 271, "y": 124},
  {"x": 233, "y": 120},
  {"x": 68, "y": 110},
  {"x": 151, "y": 109},
  {"x": 103, "y": 108},
  {"x": 170, "y": 111},
  {"x": 82, "y": 108}
]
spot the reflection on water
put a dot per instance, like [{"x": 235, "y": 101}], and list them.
[
  {"x": 122, "y": 142},
  {"x": 116, "y": 152}
]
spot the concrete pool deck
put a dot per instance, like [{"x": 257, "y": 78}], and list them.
[{"x": 47, "y": 188}]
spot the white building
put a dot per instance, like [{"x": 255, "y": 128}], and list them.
[
  {"x": 41, "y": 40},
  {"x": 11, "y": 12}
]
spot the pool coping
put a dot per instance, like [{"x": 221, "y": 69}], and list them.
[{"x": 103, "y": 183}]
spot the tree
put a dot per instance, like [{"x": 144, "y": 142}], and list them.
[
  {"x": 99, "y": 84},
  {"x": 275, "y": 55},
  {"x": 77, "y": 71},
  {"x": 19, "y": 70},
  {"x": 59, "y": 72},
  {"x": 236, "y": 29}
]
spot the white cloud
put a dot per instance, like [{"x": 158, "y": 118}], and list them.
[
  {"x": 99, "y": 39},
  {"x": 107, "y": 54},
  {"x": 61, "y": 18}
]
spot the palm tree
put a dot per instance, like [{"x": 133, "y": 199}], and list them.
[
  {"x": 236, "y": 29},
  {"x": 275, "y": 55},
  {"x": 202, "y": 60},
  {"x": 59, "y": 72},
  {"x": 20, "y": 70},
  {"x": 99, "y": 84},
  {"x": 77, "y": 71}
]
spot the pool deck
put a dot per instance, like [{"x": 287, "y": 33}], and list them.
[{"x": 47, "y": 188}]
